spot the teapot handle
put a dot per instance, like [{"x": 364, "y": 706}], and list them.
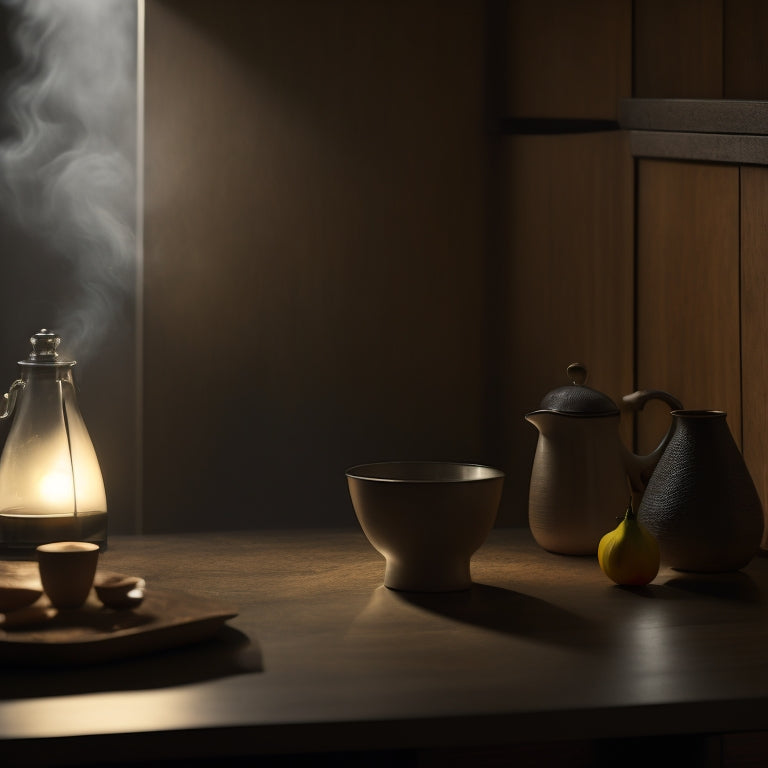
[
  {"x": 640, "y": 468},
  {"x": 10, "y": 398},
  {"x": 637, "y": 400}
]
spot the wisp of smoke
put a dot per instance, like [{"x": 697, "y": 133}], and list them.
[{"x": 68, "y": 170}]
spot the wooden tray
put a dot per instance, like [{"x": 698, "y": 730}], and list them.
[{"x": 93, "y": 633}]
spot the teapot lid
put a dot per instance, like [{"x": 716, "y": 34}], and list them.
[
  {"x": 44, "y": 345},
  {"x": 578, "y": 399}
]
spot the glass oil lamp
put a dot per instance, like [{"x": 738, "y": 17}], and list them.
[{"x": 51, "y": 487}]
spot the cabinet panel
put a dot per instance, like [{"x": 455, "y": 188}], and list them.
[
  {"x": 678, "y": 48},
  {"x": 568, "y": 289},
  {"x": 688, "y": 289},
  {"x": 746, "y": 54},
  {"x": 568, "y": 59},
  {"x": 754, "y": 323}
]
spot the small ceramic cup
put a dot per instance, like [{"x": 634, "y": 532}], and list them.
[{"x": 67, "y": 570}]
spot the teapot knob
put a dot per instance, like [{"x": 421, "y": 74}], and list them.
[
  {"x": 44, "y": 344},
  {"x": 577, "y": 373}
]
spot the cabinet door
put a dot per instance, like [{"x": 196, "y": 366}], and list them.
[
  {"x": 688, "y": 290},
  {"x": 754, "y": 322}
]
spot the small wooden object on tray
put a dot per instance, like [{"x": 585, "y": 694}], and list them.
[{"x": 38, "y": 634}]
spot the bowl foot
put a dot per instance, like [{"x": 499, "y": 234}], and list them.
[{"x": 427, "y": 577}]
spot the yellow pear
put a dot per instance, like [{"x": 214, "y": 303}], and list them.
[{"x": 629, "y": 554}]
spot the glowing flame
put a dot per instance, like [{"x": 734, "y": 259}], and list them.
[{"x": 55, "y": 487}]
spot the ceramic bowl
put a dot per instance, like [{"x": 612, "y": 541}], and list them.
[
  {"x": 426, "y": 518},
  {"x": 118, "y": 591}
]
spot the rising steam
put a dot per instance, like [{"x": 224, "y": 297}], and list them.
[{"x": 67, "y": 167}]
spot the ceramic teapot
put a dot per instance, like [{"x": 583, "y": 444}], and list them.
[{"x": 582, "y": 471}]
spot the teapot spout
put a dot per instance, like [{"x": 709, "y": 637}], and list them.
[{"x": 541, "y": 419}]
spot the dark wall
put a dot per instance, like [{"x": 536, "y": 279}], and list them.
[{"x": 315, "y": 260}]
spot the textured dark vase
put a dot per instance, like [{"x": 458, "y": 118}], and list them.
[{"x": 701, "y": 503}]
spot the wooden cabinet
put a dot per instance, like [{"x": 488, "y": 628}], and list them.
[
  {"x": 688, "y": 289},
  {"x": 702, "y": 279},
  {"x": 702, "y": 213},
  {"x": 754, "y": 325}
]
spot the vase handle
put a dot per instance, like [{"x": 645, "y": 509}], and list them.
[{"x": 640, "y": 468}]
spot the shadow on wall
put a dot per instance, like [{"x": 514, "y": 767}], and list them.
[{"x": 315, "y": 252}]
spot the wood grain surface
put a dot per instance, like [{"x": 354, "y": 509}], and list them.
[
  {"x": 688, "y": 333},
  {"x": 745, "y": 28},
  {"x": 543, "y": 648},
  {"x": 678, "y": 49},
  {"x": 568, "y": 60},
  {"x": 754, "y": 321},
  {"x": 315, "y": 230},
  {"x": 41, "y": 636}
]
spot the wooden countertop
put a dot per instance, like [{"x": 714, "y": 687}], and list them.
[{"x": 322, "y": 657}]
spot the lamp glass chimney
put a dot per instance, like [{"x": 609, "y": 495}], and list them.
[{"x": 51, "y": 488}]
